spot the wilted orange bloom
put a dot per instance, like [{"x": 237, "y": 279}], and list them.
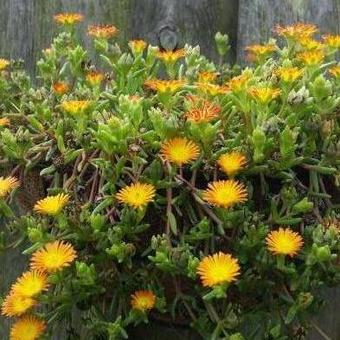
[
  {"x": 3, "y": 64},
  {"x": 257, "y": 52},
  {"x": 238, "y": 83},
  {"x": 164, "y": 86},
  {"x": 170, "y": 57},
  {"x": 212, "y": 89},
  {"x": 202, "y": 111},
  {"x": 207, "y": 76},
  {"x": 102, "y": 31},
  {"x": 289, "y": 74},
  {"x": 335, "y": 71},
  {"x": 331, "y": 40},
  {"x": 296, "y": 31},
  {"x": 264, "y": 95},
  {"x": 4, "y": 121},
  {"x": 68, "y": 18},
  {"x": 137, "y": 46},
  {"x": 311, "y": 44},
  {"x": 313, "y": 57},
  {"x": 60, "y": 87},
  {"x": 94, "y": 77}
]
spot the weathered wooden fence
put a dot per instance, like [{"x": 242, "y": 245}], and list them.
[{"x": 26, "y": 27}]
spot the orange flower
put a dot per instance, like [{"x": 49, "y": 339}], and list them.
[
  {"x": 143, "y": 300},
  {"x": 284, "y": 242},
  {"x": 332, "y": 41},
  {"x": 7, "y": 184},
  {"x": 239, "y": 83},
  {"x": 212, "y": 89},
  {"x": 289, "y": 74},
  {"x": 102, "y": 31},
  {"x": 16, "y": 305},
  {"x": 335, "y": 71},
  {"x": 225, "y": 194},
  {"x": 164, "y": 86},
  {"x": 296, "y": 31},
  {"x": 264, "y": 95},
  {"x": 232, "y": 162},
  {"x": 218, "y": 269},
  {"x": 94, "y": 78},
  {"x": 312, "y": 57},
  {"x": 259, "y": 52},
  {"x": 203, "y": 111},
  {"x": 68, "y": 18},
  {"x": 179, "y": 151},
  {"x": 170, "y": 57},
  {"x": 28, "y": 327},
  {"x": 311, "y": 44},
  {"x": 3, "y": 64},
  {"x": 53, "y": 256},
  {"x": 60, "y": 87},
  {"x": 4, "y": 121},
  {"x": 137, "y": 46},
  {"x": 207, "y": 77}
]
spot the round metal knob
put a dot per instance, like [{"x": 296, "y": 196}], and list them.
[{"x": 168, "y": 37}]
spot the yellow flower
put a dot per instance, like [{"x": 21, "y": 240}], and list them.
[
  {"x": 16, "y": 305},
  {"x": 289, "y": 74},
  {"x": 296, "y": 31},
  {"x": 170, "y": 57},
  {"x": 164, "y": 86},
  {"x": 3, "y": 64},
  {"x": 51, "y": 205},
  {"x": 225, "y": 194},
  {"x": 137, "y": 195},
  {"x": 264, "y": 95},
  {"x": 239, "y": 83},
  {"x": 7, "y": 184},
  {"x": 102, "y": 31},
  {"x": 137, "y": 46},
  {"x": 212, "y": 89},
  {"x": 311, "y": 44},
  {"x": 30, "y": 284},
  {"x": 335, "y": 71},
  {"x": 94, "y": 78},
  {"x": 313, "y": 57},
  {"x": 75, "y": 106},
  {"x": 143, "y": 300},
  {"x": 179, "y": 150},
  {"x": 284, "y": 241},
  {"x": 68, "y": 18},
  {"x": 4, "y": 122},
  {"x": 218, "y": 269},
  {"x": 207, "y": 77},
  {"x": 53, "y": 256},
  {"x": 232, "y": 162},
  {"x": 60, "y": 87},
  {"x": 259, "y": 52},
  {"x": 202, "y": 111},
  {"x": 332, "y": 41},
  {"x": 28, "y": 327}
]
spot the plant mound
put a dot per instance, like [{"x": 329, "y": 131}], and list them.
[{"x": 157, "y": 185}]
